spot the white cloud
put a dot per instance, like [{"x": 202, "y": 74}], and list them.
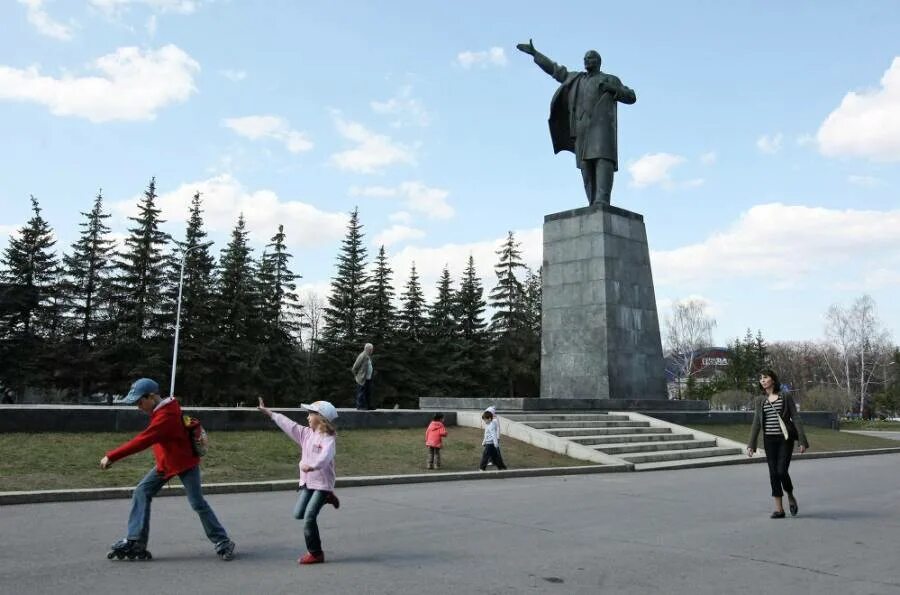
[
  {"x": 45, "y": 25},
  {"x": 416, "y": 197},
  {"x": 784, "y": 243},
  {"x": 117, "y": 7},
  {"x": 372, "y": 153},
  {"x": 653, "y": 169},
  {"x": 224, "y": 198},
  {"x": 866, "y": 123},
  {"x": 708, "y": 158},
  {"x": 406, "y": 109},
  {"x": 273, "y": 127},
  {"x": 495, "y": 56},
  {"x": 804, "y": 140},
  {"x": 879, "y": 278},
  {"x": 6, "y": 231},
  {"x": 235, "y": 76},
  {"x": 151, "y": 25},
  {"x": 374, "y": 191},
  {"x": 401, "y": 217},
  {"x": 865, "y": 181},
  {"x": 134, "y": 85},
  {"x": 396, "y": 234},
  {"x": 770, "y": 143}
]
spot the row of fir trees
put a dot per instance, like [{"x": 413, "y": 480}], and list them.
[{"x": 101, "y": 315}]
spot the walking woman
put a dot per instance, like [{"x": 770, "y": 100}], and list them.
[{"x": 776, "y": 415}]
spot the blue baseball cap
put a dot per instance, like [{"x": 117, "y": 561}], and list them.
[{"x": 141, "y": 387}]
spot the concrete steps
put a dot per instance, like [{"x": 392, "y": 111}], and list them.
[
  {"x": 639, "y": 447},
  {"x": 567, "y": 431},
  {"x": 643, "y": 441},
  {"x": 622, "y": 438}
]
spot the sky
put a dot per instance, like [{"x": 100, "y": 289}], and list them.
[{"x": 762, "y": 151}]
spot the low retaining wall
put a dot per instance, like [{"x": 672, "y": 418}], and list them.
[
  {"x": 74, "y": 418},
  {"x": 536, "y": 404},
  {"x": 819, "y": 419}
]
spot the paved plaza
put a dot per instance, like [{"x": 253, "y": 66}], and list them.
[{"x": 674, "y": 532}]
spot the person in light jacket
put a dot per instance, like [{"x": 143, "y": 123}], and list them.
[
  {"x": 776, "y": 415},
  {"x": 362, "y": 372}
]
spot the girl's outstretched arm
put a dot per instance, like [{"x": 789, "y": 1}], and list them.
[{"x": 294, "y": 430}]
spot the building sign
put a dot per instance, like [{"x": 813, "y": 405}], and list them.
[{"x": 719, "y": 362}]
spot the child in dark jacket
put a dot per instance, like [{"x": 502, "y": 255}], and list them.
[
  {"x": 174, "y": 455},
  {"x": 434, "y": 436}
]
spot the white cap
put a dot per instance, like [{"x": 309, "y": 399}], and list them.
[
  {"x": 323, "y": 408},
  {"x": 492, "y": 410}
]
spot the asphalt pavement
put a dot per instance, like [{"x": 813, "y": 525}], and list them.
[{"x": 690, "y": 531}]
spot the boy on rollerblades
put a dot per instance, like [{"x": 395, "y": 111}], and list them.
[{"x": 174, "y": 455}]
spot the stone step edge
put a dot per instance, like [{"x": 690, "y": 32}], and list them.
[
  {"x": 667, "y": 443},
  {"x": 681, "y": 455}
]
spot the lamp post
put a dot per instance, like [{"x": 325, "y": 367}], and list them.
[{"x": 178, "y": 312}]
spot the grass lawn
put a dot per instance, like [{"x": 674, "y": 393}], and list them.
[
  {"x": 61, "y": 461},
  {"x": 856, "y": 424},
  {"x": 820, "y": 439}
]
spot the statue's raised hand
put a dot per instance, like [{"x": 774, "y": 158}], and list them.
[{"x": 528, "y": 48}]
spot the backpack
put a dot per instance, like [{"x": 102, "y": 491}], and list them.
[{"x": 197, "y": 435}]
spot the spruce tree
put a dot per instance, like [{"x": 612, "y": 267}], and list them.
[
  {"x": 198, "y": 328},
  {"x": 86, "y": 295},
  {"x": 29, "y": 273},
  {"x": 412, "y": 341},
  {"x": 342, "y": 337},
  {"x": 509, "y": 322},
  {"x": 443, "y": 349},
  {"x": 280, "y": 311},
  {"x": 532, "y": 334},
  {"x": 235, "y": 308},
  {"x": 379, "y": 326},
  {"x": 472, "y": 335},
  {"x": 140, "y": 290}
]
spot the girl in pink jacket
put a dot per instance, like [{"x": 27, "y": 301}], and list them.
[{"x": 317, "y": 446}]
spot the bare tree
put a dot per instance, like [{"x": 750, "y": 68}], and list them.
[
  {"x": 839, "y": 332},
  {"x": 859, "y": 346},
  {"x": 688, "y": 330},
  {"x": 313, "y": 310},
  {"x": 873, "y": 345}
]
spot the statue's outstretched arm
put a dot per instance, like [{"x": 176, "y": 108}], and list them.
[{"x": 546, "y": 64}]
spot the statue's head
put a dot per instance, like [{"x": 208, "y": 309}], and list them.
[{"x": 592, "y": 61}]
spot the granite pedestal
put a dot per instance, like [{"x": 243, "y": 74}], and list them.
[{"x": 600, "y": 330}]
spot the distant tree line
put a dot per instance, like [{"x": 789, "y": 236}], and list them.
[
  {"x": 854, "y": 370},
  {"x": 96, "y": 316}
]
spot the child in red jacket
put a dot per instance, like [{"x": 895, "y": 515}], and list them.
[
  {"x": 174, "y": 455},
  {"x": 434, "y": 435}
]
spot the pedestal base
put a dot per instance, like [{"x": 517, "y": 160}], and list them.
[{"x": 600, "y": 330}]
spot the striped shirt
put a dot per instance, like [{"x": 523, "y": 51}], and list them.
[{"x": 773, "y": 428}]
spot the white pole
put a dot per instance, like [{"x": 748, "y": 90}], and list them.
[
  {"x": 178, "y": 314},
  {"x": 177, "y": 323}
]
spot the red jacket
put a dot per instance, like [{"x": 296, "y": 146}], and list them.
[
  {"x": 434, "y": 434},
  {"x": 167, "y": 435}
]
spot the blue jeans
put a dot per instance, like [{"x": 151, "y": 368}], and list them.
[
  {"x": 139, "y": 519},
  {"x": 307, "y": 508}
]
